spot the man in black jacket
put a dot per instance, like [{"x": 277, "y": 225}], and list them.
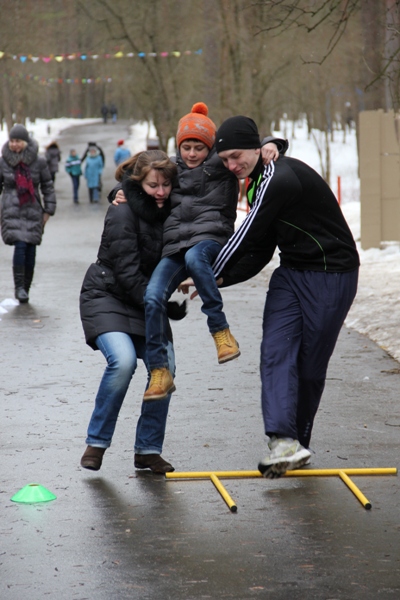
[{"x": 309, "y": 294}]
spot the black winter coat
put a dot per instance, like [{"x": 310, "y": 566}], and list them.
[
  {"x": 112, "y": 294},
  {"x": 24, "y": 223}
]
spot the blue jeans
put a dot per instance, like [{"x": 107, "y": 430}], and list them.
[
  {"x": 75, "y": 186},
  {"x": 121, "y": 352},
  {"x": 169, "y": 273},
  {"x": 24, "y": 255}
]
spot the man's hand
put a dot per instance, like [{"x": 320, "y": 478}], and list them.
[
  {"x": 120, "y": 197},
  {"x": 188, "y": 283},
  {"x": 185, "y": 285},
  {"x": 46, "y": 217},
  {"x": 269, "y": 152}
]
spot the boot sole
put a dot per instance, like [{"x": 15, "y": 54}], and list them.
[
  {"x": 228, "y": 358},
  {"x": 276, "y": 469},
  {"x": 159, "y": 396}
]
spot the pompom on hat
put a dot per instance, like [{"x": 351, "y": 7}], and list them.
[
  {"x": 196, "y": 126},
  {"x": 19, "y": 132},
  {"x": 237, "y": 133},
  {"x": 120, "y": 142}
]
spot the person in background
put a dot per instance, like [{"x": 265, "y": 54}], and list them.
[
  {"x": 309, "y": 294},
  {"x": 113, "y": 113},
  {"x": 112, "y": 307},
  {"x": 98, "y": 148},
  {"x": 73, "y": 168},
  {"x": 93, "y": 171},
  {"x": 100, "y": 151},
  {"x": 53, "y": 157},
  {"x": 23, "y": 216},
  {"x": 121, "y": 153},
  {"x": 104, "y": 112}
]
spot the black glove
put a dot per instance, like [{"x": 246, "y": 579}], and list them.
[{"x": 176, "y": 311}]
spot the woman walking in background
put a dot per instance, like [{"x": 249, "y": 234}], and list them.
[
  {"x": 53, "y": 157},
  {"x": 93, "y": 169},
  {"x": 23, "y": 216}
]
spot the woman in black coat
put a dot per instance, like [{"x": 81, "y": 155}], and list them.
[
  {"x": 28, "y": 200},
  {"x": 112, "y": 307}
]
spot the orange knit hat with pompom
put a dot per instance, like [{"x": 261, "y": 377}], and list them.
[{"x": 197, "y": 125}]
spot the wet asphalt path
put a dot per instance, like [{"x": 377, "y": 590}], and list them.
[{"x": 124, "y": 534}]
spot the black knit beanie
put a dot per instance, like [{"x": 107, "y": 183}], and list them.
[
  {"x": 237, "y": 133},
  {"x": 19, "y": 132}
]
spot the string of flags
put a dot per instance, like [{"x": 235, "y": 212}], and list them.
[
  {"x": 91, "y": 56},
  {"x": 47, "y": 80}
]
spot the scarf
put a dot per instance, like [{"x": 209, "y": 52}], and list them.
[{"x": 24, "y": 183}]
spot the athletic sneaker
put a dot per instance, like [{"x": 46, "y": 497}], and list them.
[{"x": 285, "y": 454}]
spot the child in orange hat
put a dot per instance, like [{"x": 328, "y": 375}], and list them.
[{"x": 203, "y": 213}]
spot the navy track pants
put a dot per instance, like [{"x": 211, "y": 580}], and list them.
[{"x": 304, "y": 312}]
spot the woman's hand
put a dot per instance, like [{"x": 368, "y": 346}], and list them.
[
  {"x": 269, "y": 152},
  {"x": 46, "y": 217},
  {"x": 120, "y": 198}
]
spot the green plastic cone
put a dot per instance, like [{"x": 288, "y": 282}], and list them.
[{"x": 33, "y": 492}]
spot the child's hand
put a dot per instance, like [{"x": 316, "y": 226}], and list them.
[
  {"x": 119, "y": 198},
  {"x": 269, "y": 152}
]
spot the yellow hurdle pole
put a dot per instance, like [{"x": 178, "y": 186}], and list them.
[
  {"x": 358, "y": 494},
  {"x": 328, "y": 472},
  {"x": 296, "y": 473},
  {"x": 232, "y": 506}
]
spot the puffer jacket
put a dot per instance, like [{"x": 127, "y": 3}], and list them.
[
  {"x": 203, "y": 205},
  {"x": 113, "y": 288},
  {"x": 53, "y": 157},
  {"x": 24, "y": 223}
]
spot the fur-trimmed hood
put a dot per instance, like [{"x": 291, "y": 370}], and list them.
[
  {"x": 142, "y": 204},
  {"x": 27, "y": 156}
]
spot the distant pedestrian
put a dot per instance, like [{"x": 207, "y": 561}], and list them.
[
  {"x": 53, "y": 157},
  {"x": 100, "y": 150},
  {"x": 121, "y": 153},
  {"x": 93, "y": 170},
  {"x": 93, "y": 145},
  {"x": 113, "y": 112},
  {"x": 23, "y": 216},
  {"x": 104, "y": 112},
  {"x": 73, "y": 168}
]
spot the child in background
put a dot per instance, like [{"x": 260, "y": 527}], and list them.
[{"x": 73, "y": 168}]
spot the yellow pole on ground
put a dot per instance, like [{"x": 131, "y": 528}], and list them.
[
  {"x": 358, "y": 494},
  {"x": 232, "y": 506},
  {"x": 342, "y": 473},
  {"x": 297, "y": 473}
]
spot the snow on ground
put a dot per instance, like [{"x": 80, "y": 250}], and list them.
[{"x": 376, "y": 309}]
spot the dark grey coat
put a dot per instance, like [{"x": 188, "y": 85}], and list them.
[
  {"x": 112, "y": 294},
  {"x": 203, "y": 205},
  {"x": 24, "y": 223}
]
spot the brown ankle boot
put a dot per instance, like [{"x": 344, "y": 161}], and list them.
[
  {"x": 155, "y": 462},
  {"x": 92, "y": 458},
  {"x": 227, "y": 346},
  {"x": 161, "y": 384}
]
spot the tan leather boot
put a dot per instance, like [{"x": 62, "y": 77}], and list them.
[
  {"x": 227, "y": 346},
  {"x": 161, "y": 384}
]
